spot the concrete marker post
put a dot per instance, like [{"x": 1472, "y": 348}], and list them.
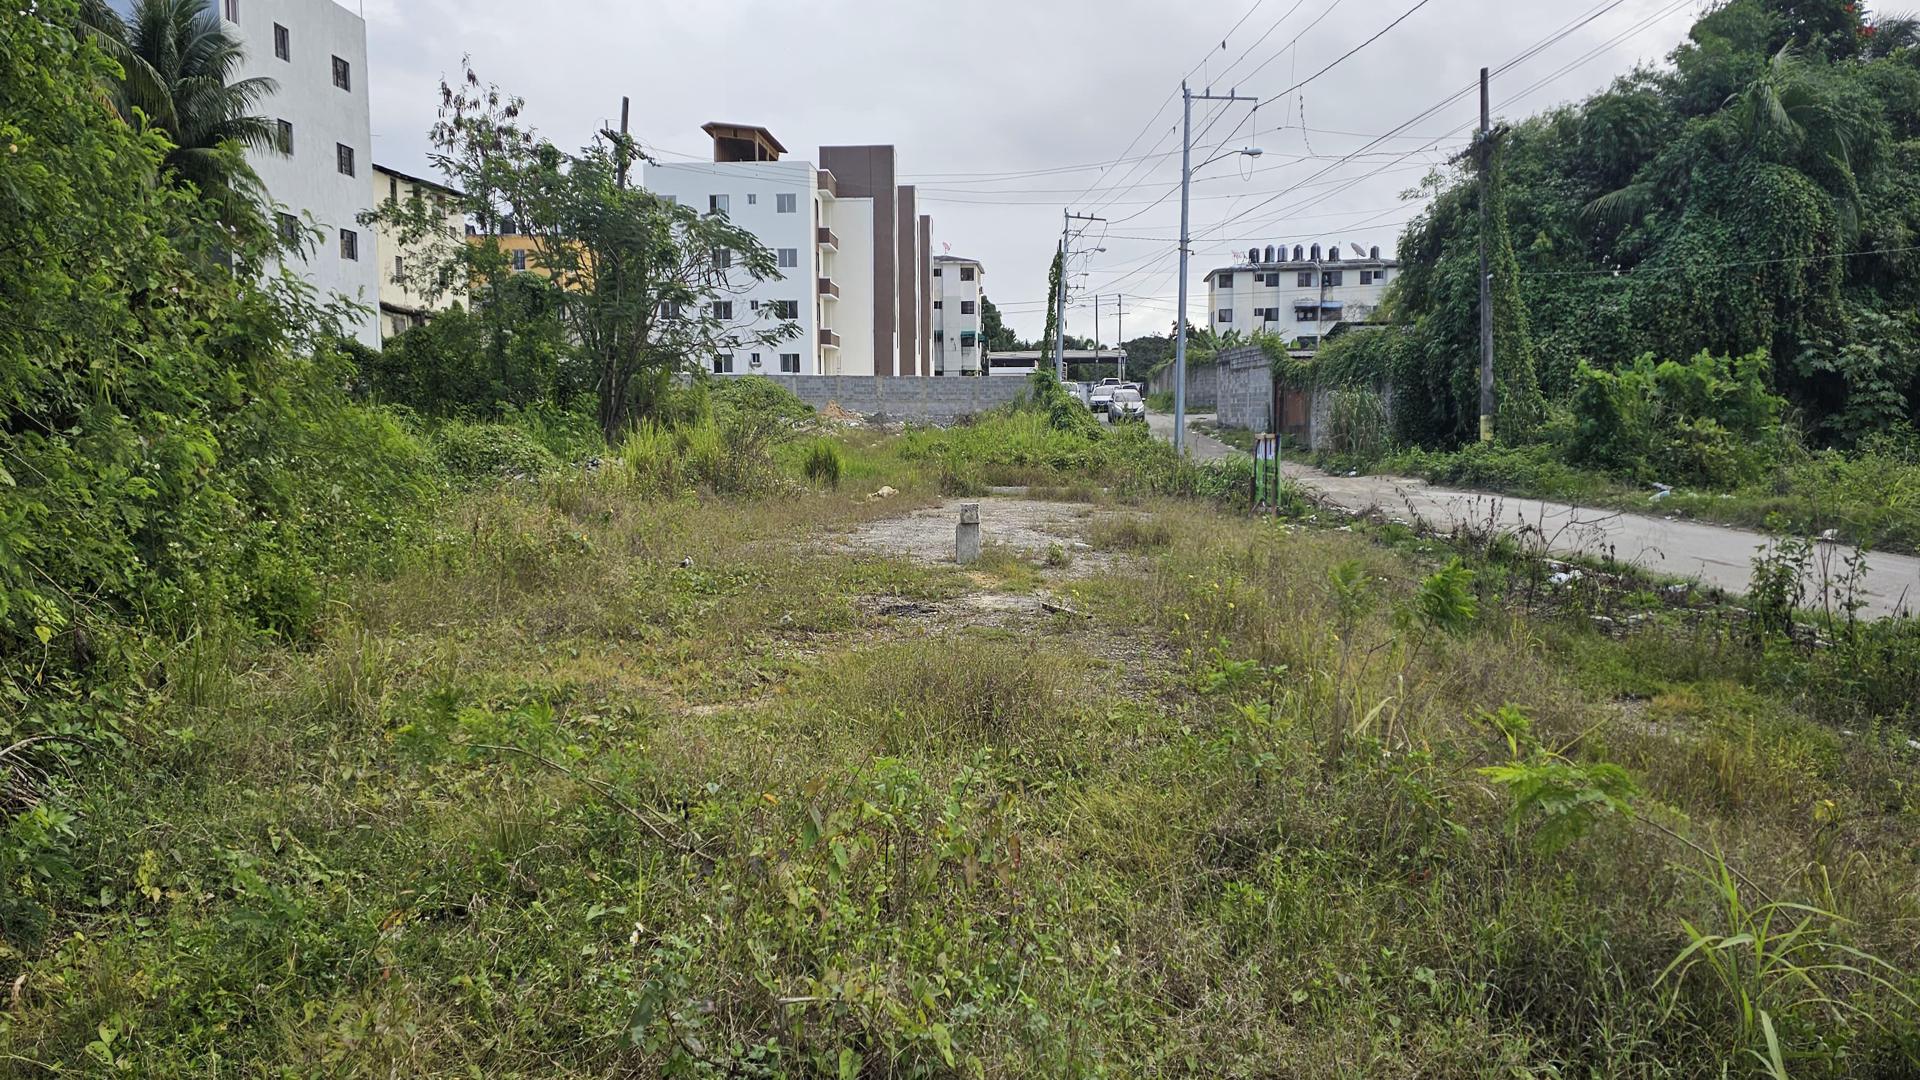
[{"x": 966, "y": 538}]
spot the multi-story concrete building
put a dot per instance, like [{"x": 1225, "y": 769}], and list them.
[
  {"x": 851, "y": 247},
  {"x": 405, "y": 299},
  {"x": 1300, "y": 298},
  {"x": 315, "y": 51},
  {"x": 957, "y": 344}
]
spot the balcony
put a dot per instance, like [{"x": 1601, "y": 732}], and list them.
[
  {"x": 827, "y": 239},
  {"x": 828, "y": 290},
  {"x": 829, "y": 339}
]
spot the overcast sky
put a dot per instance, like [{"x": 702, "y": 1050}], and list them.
[{"x": 1005, "y": 111}]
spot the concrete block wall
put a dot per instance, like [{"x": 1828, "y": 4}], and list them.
[
  {"x": 928, "y": 399},
  {"x": 1203, "y": 385},
  {"x": 1245, "y": 389}
]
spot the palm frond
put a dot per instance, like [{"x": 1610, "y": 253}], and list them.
[{"x": 1620, "y": 209}]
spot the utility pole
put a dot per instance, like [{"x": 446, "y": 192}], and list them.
[
  {"x": 1486, "y": 270},
  {"x": 1120, "y": 329},
  {"x": 626, "y": 105},
  {"x": 1096, "y": 330},
  {"x": 1187, "y": 98},
  {"x": 1067, "y": 218}
]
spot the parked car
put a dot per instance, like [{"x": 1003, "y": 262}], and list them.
[
  {"x": 1126, "y": 405},
  {"x": 1111, "y": 381},
  {"x": 1100, "y": 397}
]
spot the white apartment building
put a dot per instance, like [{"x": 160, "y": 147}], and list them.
[
  {"x": 1300, "y": 298},
  {"x": 316, "y": 51},
  {"x": 957, "y": 341},
  {"x": 850, "y": 245},
  {"x": 404, "y": 302}
]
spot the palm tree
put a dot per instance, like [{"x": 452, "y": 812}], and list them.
[{"x": 178, "y": 62}]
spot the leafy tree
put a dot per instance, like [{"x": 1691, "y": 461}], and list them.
[
  {"x": 1000, "y": 337},
  {"x": 632, "y": 279},
  {"x": 1149, "y": 353},
  {"x": 1757, "y": 193},
  {"x": 177, "y": 64}
]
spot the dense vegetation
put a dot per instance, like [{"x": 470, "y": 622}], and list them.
[
  {"x": 1751, "y": 202},
  {"x": 368, "y": 715}
]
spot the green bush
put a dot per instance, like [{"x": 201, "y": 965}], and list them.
[
  {"x": 759, "y": 395},
  {"x": 823, "y": 464},
  {"x": 471, "y": 453},
  {"x": 1710, "y": 421},
  {"x": 730, "y": 454}
]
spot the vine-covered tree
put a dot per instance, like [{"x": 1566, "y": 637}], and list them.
[{"x": 1757, "y": 193}]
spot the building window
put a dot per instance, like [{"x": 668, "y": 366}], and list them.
[
  {"x": 753, "y": 199},
  {"x": 1226, "y": 281},
  {"x": 723, "y": 310},
  {"x": 282, "y": 42},
  {"x": 786, "y": 203},
  {"x": 1333, "y": 277},
  {"x": 966, "y": 307},
  {"x": 722, "y": 258},
  {"x": 1305, "y": 280},
  {"x": 790, "y": 363},
  {"x": 789, "y": 258},
  {"x": 1306, "y": 314},
  {"x": 289, "y": 229},
  {"x": 393, "y": 189},
  {"x": 723, "y": 364},
  {"x": 966, "y": 273},
  {"x": 232, "y": 10},
  {"x": 283, "y": 130},
  {"x": 936, "y": 271},
  {"x": 786, "y": 309},
  {"x": 342, "y": 74},
  {"x": 399, "y": 267},
  {"x": 343, "y": 159},
  {"x": 718, "y": 204},
  {"x": 520, "y": 259},
  {"x": 349, "y": 244},
  {"x": 1225, "y": 315},
  {"x": 936, "y": 305}
]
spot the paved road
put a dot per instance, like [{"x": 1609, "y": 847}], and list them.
[{"x": 1712, "y": 554}]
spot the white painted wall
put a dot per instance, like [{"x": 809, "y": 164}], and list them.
[
  {"x": 751, "y": 189},
  {"x": 950, "y": 320},
  {"x": 1247, "y": 293},
  {"x": 852, "y": 315},
  {"x": 308, "y": 183}
]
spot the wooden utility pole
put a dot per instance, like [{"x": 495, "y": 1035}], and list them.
[{"x": 1486, "y": 265}]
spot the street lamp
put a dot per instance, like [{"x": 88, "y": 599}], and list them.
[{"x": 1186, "y": 182}]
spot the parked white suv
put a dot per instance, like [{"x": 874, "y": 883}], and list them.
[{"x": 1126, "y": 404}]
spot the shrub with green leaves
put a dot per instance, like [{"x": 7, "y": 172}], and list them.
[
  {"x": 472, "y": 453},
  {"x": 1710, "y": 420},
  {"x": 759, "y": 395}
]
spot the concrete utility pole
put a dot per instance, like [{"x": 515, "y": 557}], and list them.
[
  {"x": 1096, "y": 330},
  {"x": 1120, "y": 328},
  {"x": 1486, "y": 270},
  {"x": 1067, "y": 218},
  {"x": 626, "y": 106},
  {"x": 1187, "y": 98}
]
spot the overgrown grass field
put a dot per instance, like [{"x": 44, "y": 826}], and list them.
[{"x": 607, "y": 779}]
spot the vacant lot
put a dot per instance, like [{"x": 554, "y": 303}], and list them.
[{"x": 601, "y": 785}]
